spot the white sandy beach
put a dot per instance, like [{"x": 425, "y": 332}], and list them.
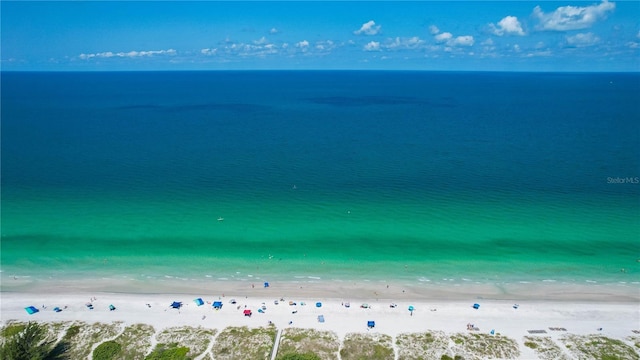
[{"x": 614, "y": 319}]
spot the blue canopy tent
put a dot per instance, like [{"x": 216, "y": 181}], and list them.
[
  {"x": 198, "y": 301},
  {"x": 321, "y": 318},
  {"x": 476, "y": 306},
  {"x": 31, "y": 310},
  {"x": 371, "y": 324},
  {"x": 111, "y": 307},
  {"x": 266, "y": 284},
  {"x": 176, "y": 305},
  {"x": 217, "y": 304},
  {"x": 318, "y": 304}
]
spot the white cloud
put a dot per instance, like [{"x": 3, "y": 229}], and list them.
[
  {"x": 261, "y": 41},
  {"x": 573, "y": 17},
  {"x": 273, "y": 31},
  {"x": 130, "y": 54},
  {"x": 208, "y": 51},
  {"x": 466, "y": 40},
  {"x": 433, "y": 29},
  {"x": 582, "y": 40},
  {"x": 302, "y": 44},
  {"x": 445, "y": 36},
  {"x": 509, "y": 25},
  {"x": 368, "y": 28},
  {"x": 372, "y": 46},
  {"x": 449, "y": 40}
]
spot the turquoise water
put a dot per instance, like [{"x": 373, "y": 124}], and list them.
[{"x": 321, "y": 175}]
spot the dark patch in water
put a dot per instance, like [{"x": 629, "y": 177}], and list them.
[
  {"x": 231, "y": 107},
  {"x": 380, "y": 100}
]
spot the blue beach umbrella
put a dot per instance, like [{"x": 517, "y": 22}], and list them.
[
  {"x": 31, "y": 310},
  {"x": 411, "y": 308}
]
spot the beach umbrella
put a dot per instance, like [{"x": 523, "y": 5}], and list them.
[
  {"x": 411, "y": 308},
  {"x": 176, "y": 305},
  {"x": 31, "y": 310},
  {"x": 198, "y": 301},
  {"x": 318, "y": 304}
]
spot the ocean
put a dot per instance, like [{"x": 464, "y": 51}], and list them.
[{"x": 422, "y": 177}]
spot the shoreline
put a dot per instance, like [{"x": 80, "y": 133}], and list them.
[{"x": 380, "y": 289}]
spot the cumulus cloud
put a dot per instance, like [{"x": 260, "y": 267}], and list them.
[
  {"x": 273, "y": 31},
  {"x": 302, "y": 44},
  {"x": 433, "y": 29},
  {"x": 466, "y": 40},
  {"x": 509, "y": 25},
  {"x": 450, "y": 40},
  {"x": 582, "y": 40},
  {"x": 130, "y": 54},
  {"x": 573, "y": 17},
  {"x": 208, "y": 51},
  {"x": 372, "y": 46},
  {"x": 445, "y": 36},
  {"x": 368, "y": 28},
  {"x": 405, "y": 43}
]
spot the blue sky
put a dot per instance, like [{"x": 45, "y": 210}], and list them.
[{"x": 419, "y": 35}]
